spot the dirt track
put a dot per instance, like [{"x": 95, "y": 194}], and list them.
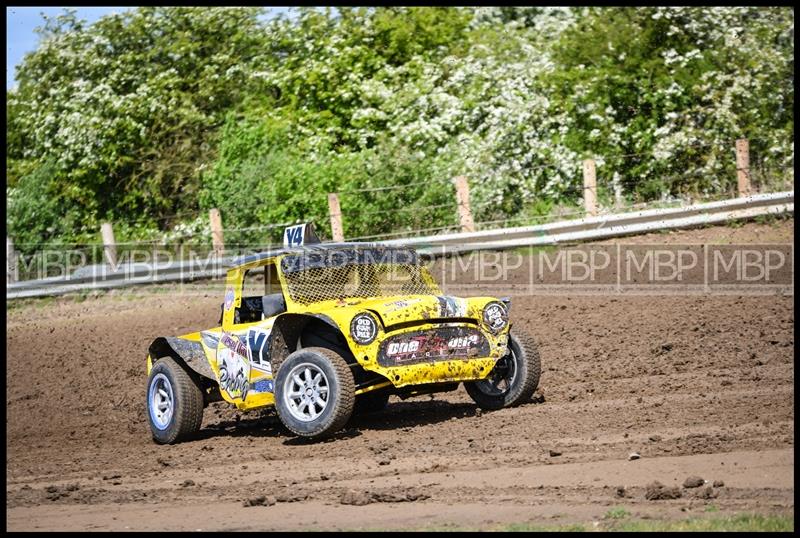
[{"x": 697, "y": 385}]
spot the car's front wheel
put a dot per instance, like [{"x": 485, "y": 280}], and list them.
[
  {"x": 314, "y": 392},
  {"x": 174, "y": 402},
  {"x": 514, "y": 377}
]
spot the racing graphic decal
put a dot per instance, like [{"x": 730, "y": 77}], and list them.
[
  {"x": 452, "y": 307},
  {"x": 446, "y": 343},
  {"x": 211, "y": 340},
  {"x": 293, "y": 235},
  {"x": 259, "y": 350}
]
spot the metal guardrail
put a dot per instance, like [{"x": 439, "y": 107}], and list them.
[
  {"x": 617, "y": 220},
  {"x": 95, "y": 277},
  {"x": 127, "y": 272}
]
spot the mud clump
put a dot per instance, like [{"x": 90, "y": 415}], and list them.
[
  {"x": 665, "y": 347},
  {"x": 288, "y": 498},
  {"x": 355, "y": 498},
  {"x": 707, "y": 493},
  {"x": 693, "y": 482},
  {"x": 261, "y": 500},
  {"x": 656, "y": 491},
  {"x": 56, "y": 492},
  {"x": 361, "y": 498}
]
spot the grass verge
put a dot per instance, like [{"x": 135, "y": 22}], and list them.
[{"x": 737, "y": 523}]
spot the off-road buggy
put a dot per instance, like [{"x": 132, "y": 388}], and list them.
[{"x": 320, "y": 330}]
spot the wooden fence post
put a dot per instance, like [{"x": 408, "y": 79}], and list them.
[
  {"x": 589, "y": 187},
  {"x": 462, "y": 199},
  {"x": 618, "y": 202},
  {"x": 335, "y": 212},
  {"x": 12, "y": 270},
  {"x": 743, "y": 167},
  {"x": 217, "y": 241},
  {"x": 109, "y": 244}
]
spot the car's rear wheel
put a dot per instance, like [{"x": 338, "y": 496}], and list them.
[
  {"x": 314, "y": 392},
  {"x": 174, "y": 402},
  {"x": 514, "y": 377}
]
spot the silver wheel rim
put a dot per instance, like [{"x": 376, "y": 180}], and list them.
[
  {"x": 499, "y": 385},
  {"x": 306, "y": 392},
  {"x": 161, "y": 400}
]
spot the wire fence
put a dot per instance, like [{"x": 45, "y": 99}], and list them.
[
  {"x": 651, "y": 181},
  {"x": 437, "y": 206}
]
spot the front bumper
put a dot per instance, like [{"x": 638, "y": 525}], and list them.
[{"x": 433, "y": 353}]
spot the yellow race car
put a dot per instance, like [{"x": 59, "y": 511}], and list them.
[{"x": 320, "y": 330}]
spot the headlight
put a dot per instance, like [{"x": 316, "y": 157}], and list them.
[
  {"x": 495, "y": 316},
  {"x": 364, "y": 328}
]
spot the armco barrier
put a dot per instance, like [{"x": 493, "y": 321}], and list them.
[{"x": 95, "y": 277}]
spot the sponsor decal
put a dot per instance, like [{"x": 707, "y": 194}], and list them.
[
  {"x": 234, "y": 366},
  {"x": 425, "y": 346},
  {"x": 234, "y": 373},
  {"x": 364, "y": 329},
  {"x": 397, "y": 305},
  {"x": 229, "y": 298},
  {"x": 432, "y": 346},
  {"x": 452, "y": 307},
  {"x": 463, "y": 342},
  {"x": 263, "y": 385},
  {"x": 495, "y": 315},
  {"x": 232, "y": 342}
]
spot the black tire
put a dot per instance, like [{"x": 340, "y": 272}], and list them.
[
  {"x": 519, "y": 371},
  {"x": 340, "y": 392},
  {"x": 371, "y": 402},
  {"x": 186, "y": 402}
]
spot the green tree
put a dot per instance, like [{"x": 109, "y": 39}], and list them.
[
  {"x": 127, "y": 107},
  {"x": 165, "y": 111}
]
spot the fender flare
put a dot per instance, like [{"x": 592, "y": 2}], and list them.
[
  {"x": 285, "y": 332},
  {"x": 187, "y": 353}
]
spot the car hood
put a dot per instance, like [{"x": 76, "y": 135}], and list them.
[{"x": 409, "y": 308}]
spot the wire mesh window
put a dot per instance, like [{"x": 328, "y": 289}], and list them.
[{"x": 359, "y": 281}]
